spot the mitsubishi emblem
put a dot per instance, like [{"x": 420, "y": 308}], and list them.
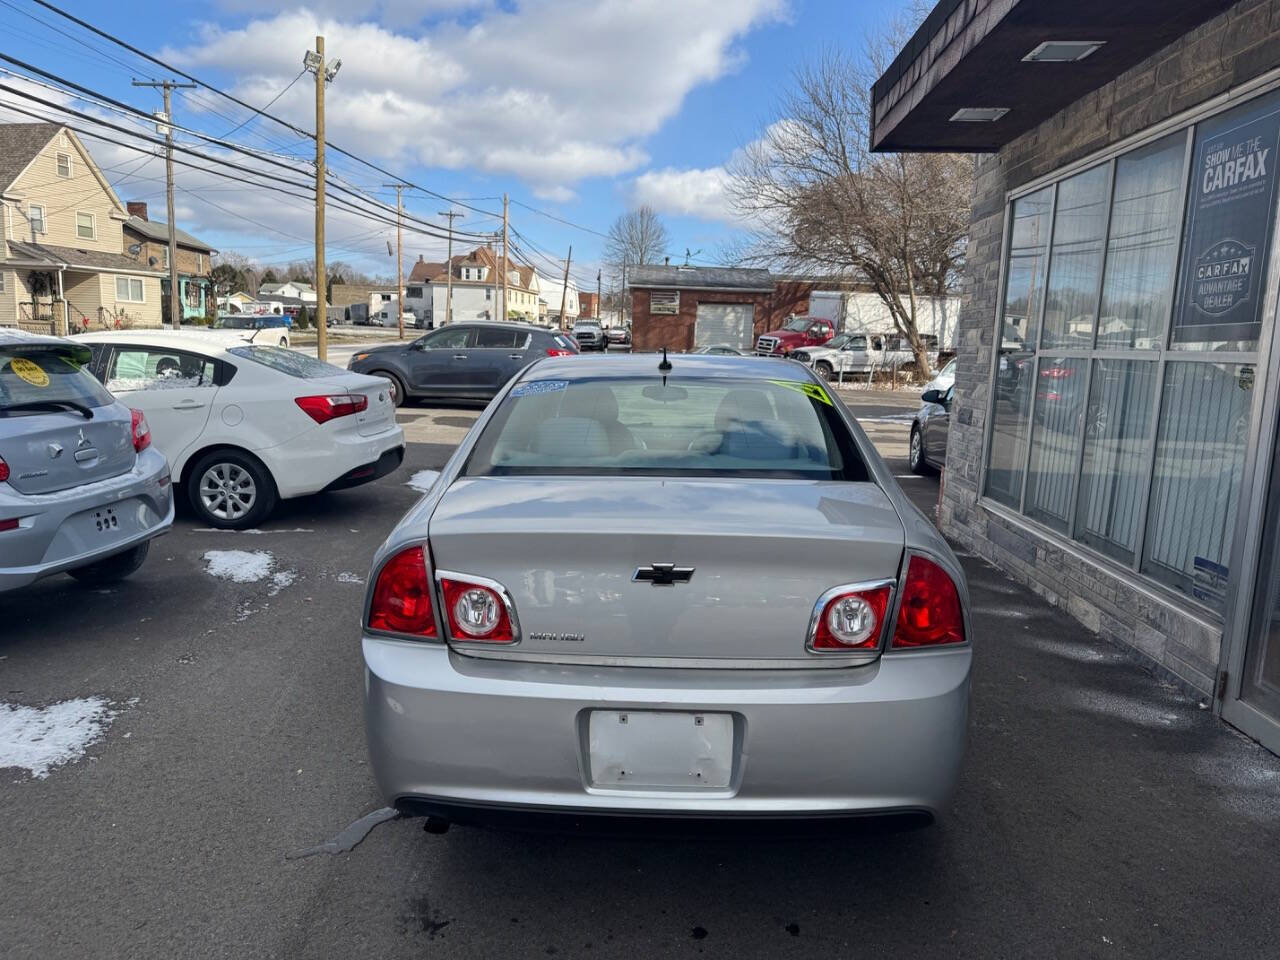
[{"x": 82, "y": 441}]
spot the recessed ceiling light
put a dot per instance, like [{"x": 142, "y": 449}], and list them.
[
  {"x": 979, "y": 114},
  {"x": 1063, "y": 51}
]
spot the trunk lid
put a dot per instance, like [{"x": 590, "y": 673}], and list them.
[
  {"x": 763, "y": 551},
  {"x": 378, "y": 416},
  {"x": 48, "y": 452}
]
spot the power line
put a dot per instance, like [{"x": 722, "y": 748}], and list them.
[
  {"x": 567, "y": 223},
  {"x": 269, "y": 102}
]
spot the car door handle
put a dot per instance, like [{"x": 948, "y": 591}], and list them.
[
  {"x": 459, "y": 356},
  {"x": 188, "y": 405},
  {"x": 515, "y": 356}
]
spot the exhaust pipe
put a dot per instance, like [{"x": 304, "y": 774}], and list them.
[{"x": 436, "y": 825}]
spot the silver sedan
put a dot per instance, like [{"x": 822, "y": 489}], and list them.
[{"x": 679, "y": 589}]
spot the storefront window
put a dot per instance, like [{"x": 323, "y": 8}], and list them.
[
  {"x": 1099, "y": 430},
  {"x": 1142, "y": 246},
  {"x": 1075, "y": 260}
]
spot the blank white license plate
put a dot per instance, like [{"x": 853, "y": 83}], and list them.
[{"x": 660, "y": 750}]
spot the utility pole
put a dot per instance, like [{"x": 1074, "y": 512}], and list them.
[
  {"x": 313, "y": 60},
  {"x": 448, "y": 265},
  {"x": 399, "y": 255},
  {"x": 622, "y": 297},
  {"x": 168, "y": 86},
  {"x": 505, "y": 268},
  {"x": 598, "y": 295},
  {"x": 564, "y": 290}
]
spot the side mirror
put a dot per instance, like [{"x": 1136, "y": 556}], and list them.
[{"x": 931, "y": 396}]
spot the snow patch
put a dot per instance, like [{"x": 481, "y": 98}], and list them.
[
  {"x": 41, "y": 738},
  {"x": 346, "y": 577},
  {"x": 254, "y": 532},
  {"x": 280, "y": 580},
  {"x": 423, "y": 480},
  {"x": 239, "y": 566}
]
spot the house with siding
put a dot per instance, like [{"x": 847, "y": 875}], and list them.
[
  {"x": 147, "y": 241},
  {"x": 63, "y": 254},
  {"x": 477, "y": 288}
]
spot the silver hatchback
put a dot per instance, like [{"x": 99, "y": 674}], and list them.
[
  {"x": 81, "y": 489},
  {"x": 680, "y": 589}
]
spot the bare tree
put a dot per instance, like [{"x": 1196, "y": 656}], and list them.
[
  {"x": 819, "y": 199},
  {"x": 636, "y": 237}
]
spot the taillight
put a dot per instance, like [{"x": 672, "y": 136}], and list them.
[
  {"x": 10, "y": 524},
  {"x": 4, "y": 470},
  {"x": 850, "y": 618},
  {"x": 330, "y": 406},
  {"x": 557, "y": 352},
  {"x": 477, "y": 612},
  {"x": 141, "y": 432},
  {"x": 930, "y": 612},
  {"x": 402, "y": 596}
]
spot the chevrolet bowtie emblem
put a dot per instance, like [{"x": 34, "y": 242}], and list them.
[{"x": 663, "y": 574}]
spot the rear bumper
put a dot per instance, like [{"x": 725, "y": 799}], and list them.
[
  {"x": 389, "y": 462},
  {"x": 57, "y": 531},
  {"x": 449, "y": 732},
  {"x": 312, "y": 461}
]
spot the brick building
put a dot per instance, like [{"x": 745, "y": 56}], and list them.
[
  {"x": 682, "y": 308},
  {"x": 588, "y": 305},
  {"x": 147, "y": 241},
  {"x": 1113, "y": 430}
]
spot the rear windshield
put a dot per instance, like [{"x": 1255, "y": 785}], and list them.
[
  {"x": 287, "y": 361},
  {"x": 705, "y": 428},
  {"x": 38, "y": 374}
]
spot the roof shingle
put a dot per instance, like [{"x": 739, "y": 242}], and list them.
[{"x": 20, "y": 143}]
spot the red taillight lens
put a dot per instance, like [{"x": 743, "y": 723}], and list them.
[
  {"x": 328, "y": 407},
  {"x": 851, "y": 620},
  {"x": 141, "y": 432},
  {"x": 557, "y": 352},
  {"x": 10, "y": 524},
  {"x": 4, "y": 470},
  {"x": 477, "y": 614},
  {"x": 402, "y": 596},
  {"x": 930, "y": 613}
]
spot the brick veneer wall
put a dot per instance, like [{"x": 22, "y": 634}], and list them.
[
  {"x": 675, "y": 331},
  {"x": 1236, "y": 46}
]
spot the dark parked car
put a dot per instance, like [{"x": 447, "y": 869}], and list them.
[
  {"x": 928, "y": 449},
  {"x": 462, "y": 361}
]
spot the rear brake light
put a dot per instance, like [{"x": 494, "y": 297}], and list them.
[
  {"x": 328, "y": 407},
  {"x": 478, "y": 612},
  {"x": 4, "y": 470},
  {"x": 10, "y": 524},
  {"x": 930, "y": 612},
  {"x": 849, "y": 618},
  {"x": 402, "y": 596},
  {"x": 557, "y": 352},
  {"x": 141, "y": 432}
]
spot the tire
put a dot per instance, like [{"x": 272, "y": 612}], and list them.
[
  {"x": 915, "y": 453},
  {"x": 825, "y": 370},
  {"x": 113, "y": 568},
  {"x": 231, "y": 490},
  {"x": 284, "y": 341},
  {"x": 399, "y": 396}
]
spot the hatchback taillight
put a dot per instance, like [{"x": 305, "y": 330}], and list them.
[
  {"x": 4, "y": 470},
  {"x": 851, "y": 619},
  {"x": 140, "y": 431},
  {"x": 330, "y": 406},
  {"x": 477, "y": 612},
  {"x": 557, "y": 352},
  {"x": 402, "y": 596},
  {"x": 930, "y": 612}
]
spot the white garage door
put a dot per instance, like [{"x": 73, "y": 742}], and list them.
[{"x": 730, "y": 323}]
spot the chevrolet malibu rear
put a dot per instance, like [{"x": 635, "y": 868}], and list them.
[{"x": 687, "y": 589}]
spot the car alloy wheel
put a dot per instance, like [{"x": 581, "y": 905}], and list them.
[
  {"x": 825, "y": 370},
  {"x": 227, "y": 491},
  {"x": 915, "y": 452}
]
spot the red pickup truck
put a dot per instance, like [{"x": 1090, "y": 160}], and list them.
[{"x": 796, "y": 333}]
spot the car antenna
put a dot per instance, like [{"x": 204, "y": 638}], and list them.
[
  {"x": 665, "y": 365},
  {"x": 256, "y": 331}
]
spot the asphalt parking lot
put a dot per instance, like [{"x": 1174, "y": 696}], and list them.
[{"x": 1099, "y": 812}]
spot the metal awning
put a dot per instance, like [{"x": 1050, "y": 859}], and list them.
[{"x": 973, "y": 55}]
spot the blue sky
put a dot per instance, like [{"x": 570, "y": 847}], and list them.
[{"x": 580, "y": 108}]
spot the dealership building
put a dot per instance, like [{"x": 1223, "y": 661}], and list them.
[{"x": 1113, "y": 429}]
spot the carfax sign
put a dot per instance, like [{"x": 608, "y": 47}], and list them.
[{"x": 1228, "y": 233}]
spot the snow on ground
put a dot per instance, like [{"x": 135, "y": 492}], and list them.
[
  {"x": 422, "y": 480},
  {"x": 41, "y": 738},
  {"x": 239, "y": 566},
  {"x": 346, "y": 577},
  {"x": 253, "y": 532},
  {"x": 280, "y": 580}
]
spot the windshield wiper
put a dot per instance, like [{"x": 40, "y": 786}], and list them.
[{"x": 80, "y": 408}]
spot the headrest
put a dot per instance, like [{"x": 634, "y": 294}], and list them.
[
  {"x": 742, "y": 406},
  {"x": 570, "y": 438},
  {"x": 594, "y": 401}
]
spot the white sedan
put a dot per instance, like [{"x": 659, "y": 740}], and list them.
[{"x": 246, "y": 424}]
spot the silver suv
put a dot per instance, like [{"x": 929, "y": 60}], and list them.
[{"x": 82, "y": 491}]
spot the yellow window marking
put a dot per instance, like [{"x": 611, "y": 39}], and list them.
[
  {"x": 29, "y": 371},
  {"x": 813, "y": 391}
]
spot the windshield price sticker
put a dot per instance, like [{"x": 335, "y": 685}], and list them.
[
  {"x": 539, "y": 386},
  {"x": 30, "y": 371},
  {"x": 813, "y": 391}
]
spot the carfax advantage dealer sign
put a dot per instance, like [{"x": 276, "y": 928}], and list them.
[{"x": 1228, "y": 233}]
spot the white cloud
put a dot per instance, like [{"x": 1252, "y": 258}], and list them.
[
  {"x": 697, "y": 193},
  {"x": 553, "y": 91},
  {"x": 555, "y": 194}
]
